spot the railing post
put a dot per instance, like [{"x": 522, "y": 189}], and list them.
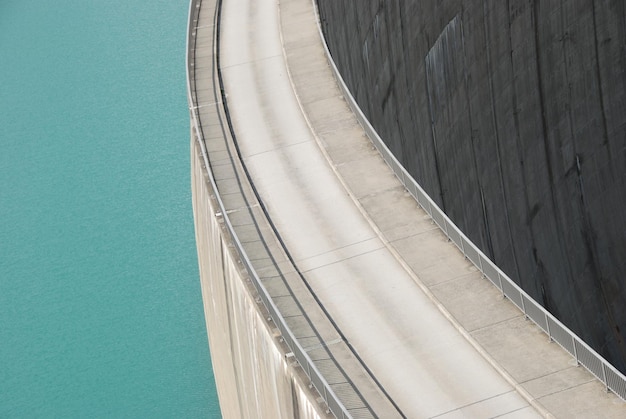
[{"x": 463, "y": 247}]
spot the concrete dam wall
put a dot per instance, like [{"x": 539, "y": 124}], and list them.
[
  {"x": 512, "y": 116},
  {"x": 255, "y": 377}
]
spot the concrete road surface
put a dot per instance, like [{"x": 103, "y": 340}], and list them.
[{"x": 421, "y": 360}]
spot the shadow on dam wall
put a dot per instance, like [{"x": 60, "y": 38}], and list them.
[{"x": 512, "y": 116}]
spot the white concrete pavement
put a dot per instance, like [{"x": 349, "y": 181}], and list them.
[
  {"x": 423, "y": 362},
  {"x": 439, "y": 339}
]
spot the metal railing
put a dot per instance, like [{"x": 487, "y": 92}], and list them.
[
  {"x": 613, "y": 380},
  {"x": 335, "y": 406}
]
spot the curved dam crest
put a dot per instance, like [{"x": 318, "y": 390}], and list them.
[
  {"x": 250, "y": 362},
  {"x": 327, "y": 288},
  {"x": 512, "y": 116}
]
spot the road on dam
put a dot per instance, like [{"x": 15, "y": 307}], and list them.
[
  {"x": 426, "y": 366},
  {"x": 347, "y": 224}
]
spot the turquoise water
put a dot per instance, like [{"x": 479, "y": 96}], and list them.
[{"x": 100, "y": 303}]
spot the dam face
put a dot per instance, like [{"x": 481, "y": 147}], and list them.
[
  {"x": 512, "y": 116},
  {"x": 255, "y": 377}
]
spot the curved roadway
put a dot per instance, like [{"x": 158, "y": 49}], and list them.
[
  {"x": 394, "y": 317},
  {"x": 426, "y": 366}
]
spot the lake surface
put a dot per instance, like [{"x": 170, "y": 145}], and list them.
[{"x": 100, "y": 303}]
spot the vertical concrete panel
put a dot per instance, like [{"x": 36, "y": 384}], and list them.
[
  {"x": 254, "y": 378},
  {"x": 486, "y": 121}
]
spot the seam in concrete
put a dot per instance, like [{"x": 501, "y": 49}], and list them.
[{"x": 476, "y": 403}]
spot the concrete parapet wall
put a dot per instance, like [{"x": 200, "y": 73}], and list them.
[{"x": 255, "y": 378}]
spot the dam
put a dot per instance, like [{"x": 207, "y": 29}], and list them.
[
  {"x": 512, "y": 116},
  {"x": 332, "y": 284}
]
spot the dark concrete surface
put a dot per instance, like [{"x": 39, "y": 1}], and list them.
[{"x": 512, "y": 116}]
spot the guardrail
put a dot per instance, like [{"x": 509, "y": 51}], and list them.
[
  {"x": 613, "y": 380},
  {"x": 317, "y": 380}
]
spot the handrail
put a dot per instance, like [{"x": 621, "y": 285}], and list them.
[
  {"x": 335, "y": 406},
  {"x": 613, "y": 380}
]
